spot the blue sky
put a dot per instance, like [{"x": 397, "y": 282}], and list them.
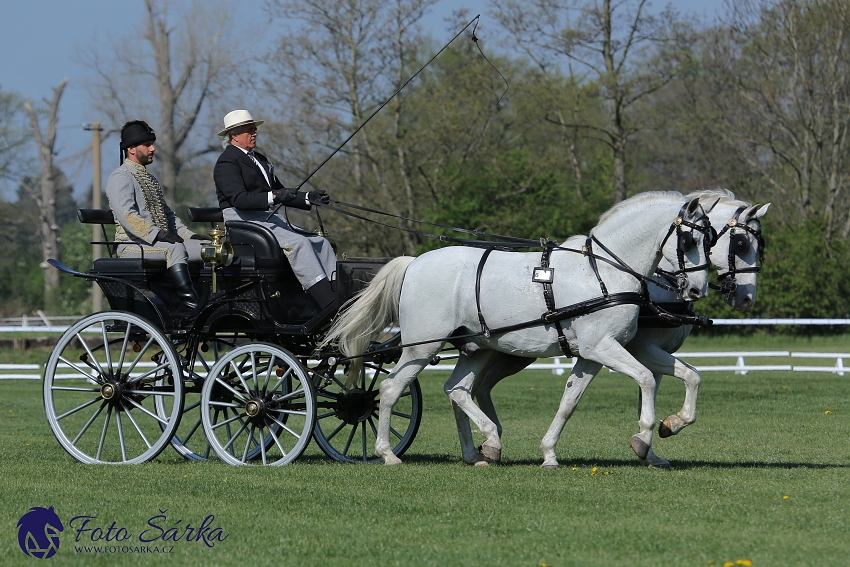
[{"x": 40, "y": 40}]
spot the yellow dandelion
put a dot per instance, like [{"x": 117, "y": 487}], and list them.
[
  {"x": 746, "y": 563},
  {"x": 827, "y": 412},
  {"x": 575, "y": 468},
  {"x": 728, "y": 563},
  {"x": 593, "y": 469},
  {"x": 532, "y": 388},
  {"x": 785, "y": 497}
]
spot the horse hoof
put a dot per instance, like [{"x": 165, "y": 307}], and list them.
[
  {"x": 549, "y": 467},
  {"x": 482, "y": 463},
  {"x": 662, "y": 466},
  {"x": 671, "y": 425},
  {"x": 640, "y": 448},
  {"x": 490, "y": 453},
  {"x": 392, "y": 460}
]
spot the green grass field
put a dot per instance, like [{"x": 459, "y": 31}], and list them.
[{"x": 762, "y": 478}]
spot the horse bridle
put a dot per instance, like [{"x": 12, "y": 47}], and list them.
[
  {"x": 739, "y": 244},
  {"x": 685, "y": 241}
]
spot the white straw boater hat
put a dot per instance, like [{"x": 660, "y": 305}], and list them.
[{"x": 237, "y": 118}]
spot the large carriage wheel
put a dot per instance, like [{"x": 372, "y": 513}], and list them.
[
  {"x": 102, "y": 387},
  {"x": 258, "y": 397},
  {"x": 347, "y": 419},
  {"x": 189, "y": 439}
]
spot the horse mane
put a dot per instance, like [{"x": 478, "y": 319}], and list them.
[
  {"x": 639, "y": 198},
  {"x": 725, "y": 195}
]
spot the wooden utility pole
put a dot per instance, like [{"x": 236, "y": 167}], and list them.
[{"x": 96, "y": 129}]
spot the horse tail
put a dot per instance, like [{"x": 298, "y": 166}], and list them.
[{"x": 368, "y": 313}]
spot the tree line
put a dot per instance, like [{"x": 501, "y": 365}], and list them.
[{"x": 549, "y": 114}]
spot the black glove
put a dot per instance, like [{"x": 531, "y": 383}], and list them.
[
  {"x": 319, "y": 197},
  {"x": 167, "y": 237},
  {"x": 284, "y": 195},
  {"x": 200, "y": 237}
]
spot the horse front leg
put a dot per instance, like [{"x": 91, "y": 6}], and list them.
[
  {"x": 673, "y": 424},
  {"x": 582, "y": 374},
  {"x": 617, "y": 358}
]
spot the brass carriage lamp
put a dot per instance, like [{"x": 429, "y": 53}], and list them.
[{"x": 218, "y": 252}]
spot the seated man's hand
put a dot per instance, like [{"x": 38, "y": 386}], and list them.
[
  {"x": 284, "y": 195},
  {"x": 167, "y": 237},
  {"x": 200, "y": 237},
  {"x": 319, "y": 197}
]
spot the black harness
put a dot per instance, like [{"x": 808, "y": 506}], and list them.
[{"x": 545, "y": 275}]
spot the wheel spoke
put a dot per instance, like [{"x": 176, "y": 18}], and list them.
[
  {"x": 91, "y": 355},
  {"x": 192, "y": 431},
  {"x": 147, "y": 411},
  {"x": 146, "y": 374},
  {"x": 136, "y": 425},
  {"x": 232, "y": 439},
  {"x": 227, "y": 405},
  {"x": 74, "y": 389},
  {"x": 350, "y": 439},
  {"x": 139, "y": 356},
  {"x": 78, "y": 408},
  {"x": 121, "y": 436},
  {"x": 229, "y": 421},
  {"x": 288, "y": 412},
  {"x": 365, "y": 450},
  {"x": 241, "y": 378},
  {"x": 106, "y": 348},
  {"x": 337, "y": 430},
  {"x": 282, "y": 379},
  {"x": 87, "y": 372},
  {"x": 124, "y": 344},
  {"x": 232, "y": 390},
  {"x": 103, "y": 433},
  {"x": 88, "y": 423}
]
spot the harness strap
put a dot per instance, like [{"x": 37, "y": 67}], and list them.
[
  {"x": 549, "y": 298},
  {"x": 587, "y": 250},
  {"x": 484, "y": 330}
]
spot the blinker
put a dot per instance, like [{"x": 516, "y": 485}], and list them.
[
  {"x": 739, "y": 244},
  {"x": 686, "y": 241}
]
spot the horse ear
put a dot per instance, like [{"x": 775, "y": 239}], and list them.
[
  {"x": 714, "y": 204},
  {"x": 756, "y": 211},
  {"x": 692, "y": 206}
]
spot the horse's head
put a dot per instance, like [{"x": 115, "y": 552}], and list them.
[
  {"x": 739, "y": 249},
  {"x": 686, "y": 246}
]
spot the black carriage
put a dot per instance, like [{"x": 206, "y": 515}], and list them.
[{"x": 241, "y": 377}]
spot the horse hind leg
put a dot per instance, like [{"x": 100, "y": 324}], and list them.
[
  {"x": 410, "y": 364},
  {"x": 459, "y": 388}
]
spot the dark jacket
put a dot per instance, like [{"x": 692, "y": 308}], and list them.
[{"x": 240, "y": 184}]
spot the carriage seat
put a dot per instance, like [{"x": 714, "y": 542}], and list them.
[
  {"x": 253, "y": 245},
  {"x": 113, "y": 265}
]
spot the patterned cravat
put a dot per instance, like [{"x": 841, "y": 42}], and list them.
[
  {"x": 152, "y": 193},
  {"x": 263, "y": 169}
]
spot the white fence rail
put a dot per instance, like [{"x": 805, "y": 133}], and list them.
[{"x": 562, "y": 365}]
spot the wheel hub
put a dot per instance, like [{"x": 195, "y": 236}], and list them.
[
  {"x": 356, "y": 406},
  {"x": 110, "y": 391},
  {"x": 255, "y": 408}
]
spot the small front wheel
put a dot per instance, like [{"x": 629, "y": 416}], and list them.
[{"x": 258, "y": 399}]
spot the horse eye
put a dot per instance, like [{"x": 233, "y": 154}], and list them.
[{"x": 686, "y": 241}]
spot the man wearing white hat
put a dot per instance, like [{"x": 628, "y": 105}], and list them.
[{"x": 247, "y": 188}]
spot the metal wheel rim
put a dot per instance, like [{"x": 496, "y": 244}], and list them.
[
  {"x": 131, "y": 430},
  {"x": 355, "y": 443},
  {"x": 282, "y": 427}
]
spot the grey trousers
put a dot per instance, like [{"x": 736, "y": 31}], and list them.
[
  {"x": 311, "y": 257},
  {"x": 188, "y": 251}
]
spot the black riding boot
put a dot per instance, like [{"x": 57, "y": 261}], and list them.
[
  {"x": 322, "y": 293},
  {"x": 179, "y": 274}
]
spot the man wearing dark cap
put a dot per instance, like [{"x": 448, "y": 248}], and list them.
[
  {"x": 247, "y": 188},
  {"x": 144, "y": 221}
]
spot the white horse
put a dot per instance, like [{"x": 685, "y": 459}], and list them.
[
  {"x": 434, "y": 300},
  {"x": 735, "y": 255}
]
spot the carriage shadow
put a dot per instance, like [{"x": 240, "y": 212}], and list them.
[{"x": 681, "y": 465}]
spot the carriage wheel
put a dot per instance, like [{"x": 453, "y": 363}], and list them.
[
  {"x": 347, "y": 419},
  {"x": 189, "y": 439},
  {"x": 102, "y": 389},
  {"x": 258, "y": 398}
]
